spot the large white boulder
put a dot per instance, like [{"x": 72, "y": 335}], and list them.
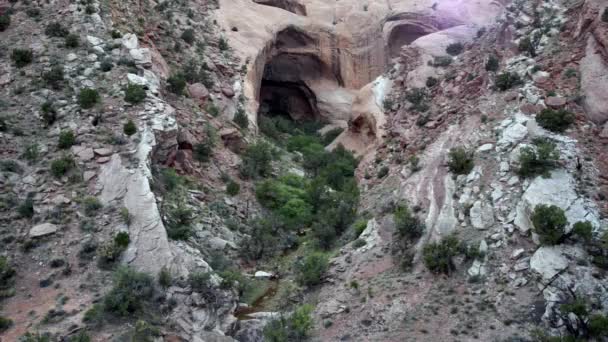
[{"x": 548, "y": 261}]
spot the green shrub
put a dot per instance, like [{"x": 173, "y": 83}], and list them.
[
  {"x": 460, "y": 161},
  {"x": 6, "y": 273},
  {"x": 55, "y": 29},
  {"x": 72, "y": 41},
  {"x": 549, "y": 223},
  {"x": 310, "y": 270},
  {"x": 79, "y": 337},
  {"x": 240, "y": 118},
  {"x": 598, "y": 324},
  {"x": 383, "y": 172},
  {"x": 116, "y": 34},
  {"x": 35, "y": 337},
  {"x": 129, "y": 128},
  {"x": 22, "y": 57},
  {"x": 54, "y": 78},
  {"x": 233, "y": 188},
  {"x": 90, "y": 9},
  {"x": 267, "y": 127},
  {"x": 213, "y": 110},
  {"x": 122, "y": 240},
  {"x": 295, "y": 213},
  {"x": 223, "y": 44},
  {"x": 144, "y": 332},
  {"x": 331, "y": 135},
  {"x": 10, "y": 165},
  {"x": 492, "y": 63},
  {"x": 176, "y": 83},
  {"x": 538, "y": 160},
  {"x": 418, "y": 97},
  {"x": 170, "y": 179},
  {"x": 359, "y": 226},
  {"x": 87, "y": 98},
  {"x": 203, "y": 151},
  {"x": 188, "y": 36},
  {"x": 165, "y": 279},
  {"x": 91, "y": 205},
  {"x": 201, "y": 282},
  {"x": 5, "y": 21},
  {"x": 442, "y": 61},
  {"x": 584, "y": 230},
  {"x": 179, "y": 219},
  {"x": 5, "y": 323},
  {"x": 438, "y": 255},
  {"x": 414, "y": 162},
  {"x": 555, "y": 120},
  {"x": 66, "y": 139},
  {"x": 130, "y": 293},
  {"x": 26, "y": 209},
  {"x": 106, "y": 65},
  {"x": 295, "y": 327},
  {"x": 125, "y": 215},
  {"x": 454, "y": 49},
  {"x": 256, "y": 160},
  {"x": 135, "y": 93},
  {"x": 605, "y": 15},
  {"x": 507, "y": 80},
  {"x": 527, "y": 46},
  {"x": 33, "y": 12},
  {"x": 61, "y": 166},
  {"x": 31, "y": 152},
  {"x": 407, "y": 224},
  {"x": 49, "y": 114},
  {"x": 431, "y": 82}
]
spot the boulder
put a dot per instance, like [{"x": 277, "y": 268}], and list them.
[
  {"x": 513, "y": 134},
  {"x": 482, "y": 215},
  {"x": 199, "y": 92},
  {"x": 129, "y": 41},
  {"x": 43, "y": 229},
  {"x": 94, "y": 41},
  {"x": 228, "y": 91},
  {"x": 141, "y": 56},
  {"x": 594, "y": 83},
  {"x": 263, "y": 274},
  {"x": 185, "y": 140},
  {"x": 548, "y": 261}
]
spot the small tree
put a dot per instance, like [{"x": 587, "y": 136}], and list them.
[
  {"x": 188, "y": 36},
  {"x": 310, "y": 270},
  {"x": 240, "y": 118},
  {"x": 407, "y": 225},
  {"x": 233, "y": 188},
  {"x": 135, "y": 93},
  {"x": 54, "y": 77},
  {"x": 555, "y": 120},
  {"x": 538, "y": 160},
  {"x": 549, "y": 223},
  {"x": 223, "y": 44},
  {"x": 72, "y": 41},
  {"x": 460, "y": 161},
  {"x": 49, "y": 114},
  {"x": 507, "y": 80},
  {"x": 61, "y": 166},
  {"x": 129, "y": 128},
  {"x": 56, "y": 29},
  {"x": 131, "y": 291},
  {"x": 295, "y": 327},
  {"x": 87, "y": 98},
  {"x": 256, "y": 160},
  {"x": 438, "y": 255},
  {"x": 176, "y": 83}
]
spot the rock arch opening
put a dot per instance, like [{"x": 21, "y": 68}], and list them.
[{"x": 404, "y": 34}]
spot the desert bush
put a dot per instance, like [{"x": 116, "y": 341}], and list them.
[
  {"x": 5, "y": 323},
  {"x": 256, "y": 160},
  {"x": 61, "y": 166},
  {"x": 414, "y": 162},
  {"x": 460, "y": 161},
  {"x": 122, "y": 240},
  {"x": 54, "y": 78},
  {"x": 35, "y": 337},
  {"x": 31, "y": 152},
  {"x": 442, "y": 61},
  {"x": 91, "y": 205},
  {"x": 188, "y": 36},
  {"x": 223, "y": 44},
  {"x": 10, "y": 165},
  {"x": 56, "y": 29},
  {"x": 407, "y": 224},
  {"x": 383, "y": 172},
  {"x": 22, "y": 57},
  {"x": 418, "y": 97},
  {"x": 294, "y": 327},
  {"x": 203, "y": 151},
  {"x": 165, "y": 279},
  {"x": 310, "y": 270},
  {"x": 438, "y": 255},
  {"x": 87, "y": 98},
  {"x": 233, "y": 188},
  {"x": 135, "y": 93},
  {"x": 331, "y": 135},
  {"x": 431, "y": 82},
  {"x": 66, "y": 139},
  {"x": 605, "y": 15},
  {"x": 176, "y": 83},
  {"x": 5, "y": 21},
  {"x": 49, "y": 114},
  {"x": 79, "y": 337},
  {"x": 507, "y": 80},
  {"x": 240, "y": 118},
  {"x": 555, "y": 120},
  {"x": 549, "y": 223},
  {"x": 526, "y": 45},
  {"x": 583, "y": 229},
  {"x": 90, "y": 9},
  {"x": 7, "y": 273},
  {"x": 130, "y": 293},
  {"x": 492, "y": 63},
  {"x": 538, "y": 160},
  {"x": 454, "y": 49},
  {"x": 72, "y": 41},
  {"x": 129, "y": 128},
  {"x": 106, "y": 65},
  {"x": 26, "y": 209},
  {"x": 178, "y": 222}
]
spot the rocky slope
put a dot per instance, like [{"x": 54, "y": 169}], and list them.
[{"x": 174, "y": 93}]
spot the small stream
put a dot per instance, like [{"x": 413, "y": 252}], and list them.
[{"x": 260, "y": 305}]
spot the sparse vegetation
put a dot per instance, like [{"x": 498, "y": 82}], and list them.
[
  {"x": 131, "y": 291},
  {"x": 54, "y": 78},
  {"x": 56, "y": 29},
  {"x": 549, "y": 223},
  {"x": 555, "y": 120},
  {"x": 233, "y": 188},
  {"x": 460, "y": 161},
  {"x": 61, "y": 166},
  {"x": 407, "y": 224},
  {"x": 202, "y": 151},
  {"x": 5, "y": 21},
  {"x": 438, "y": 255},
  {"x": 310, "y": 270},
  {"x": 87, "y": 98},
  {"x": 256, "y": 160},
  {"x": 176, "y": 83},
  {"x": 418, "y": 97},
  {"x": 240, "y": 118},
  {"x": 72, "y": 41}
]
